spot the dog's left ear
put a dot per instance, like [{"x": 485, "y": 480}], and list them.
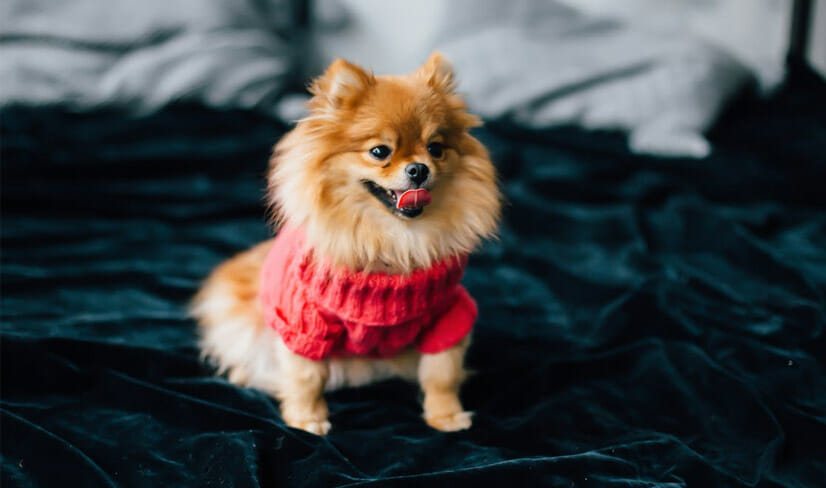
[
  {"x": 342, "y": 84},
  {"x": 438, "y": 72}
]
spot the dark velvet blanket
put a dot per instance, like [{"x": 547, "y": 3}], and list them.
[{"x": 643, "y": 322}]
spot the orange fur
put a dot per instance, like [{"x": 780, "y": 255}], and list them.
[
  {"x": 316, "y": 170},
  {"x": 316, "y": 182}
]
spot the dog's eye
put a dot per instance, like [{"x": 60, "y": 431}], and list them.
[
  {"x": 380, "y": 152},
  {"x": 435, "y": 149}
]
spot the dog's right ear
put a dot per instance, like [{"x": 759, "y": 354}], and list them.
[
  {"x": 341, "y": 85},
  {"x": 438, "y": 72}
]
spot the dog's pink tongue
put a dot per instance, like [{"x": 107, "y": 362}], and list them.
[{"x": 414, "y": 199}]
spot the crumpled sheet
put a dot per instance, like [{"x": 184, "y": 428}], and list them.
[
  {"x": 537, "y": 63},
  {"x": 141, "y": 56},
  {"x": 643, "y": 322},
  {"x": 541, "y": 64}
]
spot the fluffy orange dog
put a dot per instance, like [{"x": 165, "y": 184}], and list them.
[{"x": 379, "y": 194}]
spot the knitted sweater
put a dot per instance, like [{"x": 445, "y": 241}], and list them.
[{"x": 320, "y": 311}]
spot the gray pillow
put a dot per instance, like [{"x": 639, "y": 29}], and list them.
[
  {"x": 541, "y": 63},
  {"x": 142, "y": 55}
]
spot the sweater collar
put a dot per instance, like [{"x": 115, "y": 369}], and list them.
[{"x": 379, "y": 298}]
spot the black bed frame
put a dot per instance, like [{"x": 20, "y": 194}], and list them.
[{"x": 799, "y": 32}]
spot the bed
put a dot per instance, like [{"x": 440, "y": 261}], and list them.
[{"x": 644, "y": 321}]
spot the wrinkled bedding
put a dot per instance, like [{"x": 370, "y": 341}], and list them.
[
  {"x": 142, "y": 56},
  {"x": 643, "y": 321},
  {"x": 541, "y": 64},
  {"x": 537, "y": 63}
]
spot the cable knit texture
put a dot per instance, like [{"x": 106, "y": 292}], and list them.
[{"x": 321, "y": 311}]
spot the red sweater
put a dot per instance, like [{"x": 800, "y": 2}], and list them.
[{"x": 320, "y": 311}]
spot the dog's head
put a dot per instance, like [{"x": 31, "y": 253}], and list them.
[{"x": 383, "y": 172}]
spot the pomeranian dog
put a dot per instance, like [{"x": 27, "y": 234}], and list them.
[{"x": 378, "y": 196}]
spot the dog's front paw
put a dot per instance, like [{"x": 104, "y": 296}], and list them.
[
  {"x": 317, "y": 427},
  {"x": 313, "y": 421},
  {"x": 449, "y": 422}
]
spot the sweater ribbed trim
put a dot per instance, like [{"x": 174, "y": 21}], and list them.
[
  {"x": 378, "y": 299},
  {"x": 321, "y": 311}
]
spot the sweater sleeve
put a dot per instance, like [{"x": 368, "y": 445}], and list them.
[
  {"x": 452, "y": 326},
  {"x": 310, "y": 333},
  {"x": 304, "y": 329}
]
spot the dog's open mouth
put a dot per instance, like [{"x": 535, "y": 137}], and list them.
[{"x": 407, "y": 203}]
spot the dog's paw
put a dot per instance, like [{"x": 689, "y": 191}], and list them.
[
  {"x": 451, "y": 422},
  {"x": 238, "y": 376},
  {"x": 317, "y": 427}
]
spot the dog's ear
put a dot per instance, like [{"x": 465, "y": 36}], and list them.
[
  {"x": 342, "y": 84},
  {"x": 438, "y": 72}
]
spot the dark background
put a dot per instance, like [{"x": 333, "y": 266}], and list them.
[{"x": 644, "y": 321}]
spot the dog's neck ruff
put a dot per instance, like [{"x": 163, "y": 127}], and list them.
[{"x": 321, "y": 311}]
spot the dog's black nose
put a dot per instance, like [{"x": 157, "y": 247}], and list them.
[{"x": 417, "y": 172}]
